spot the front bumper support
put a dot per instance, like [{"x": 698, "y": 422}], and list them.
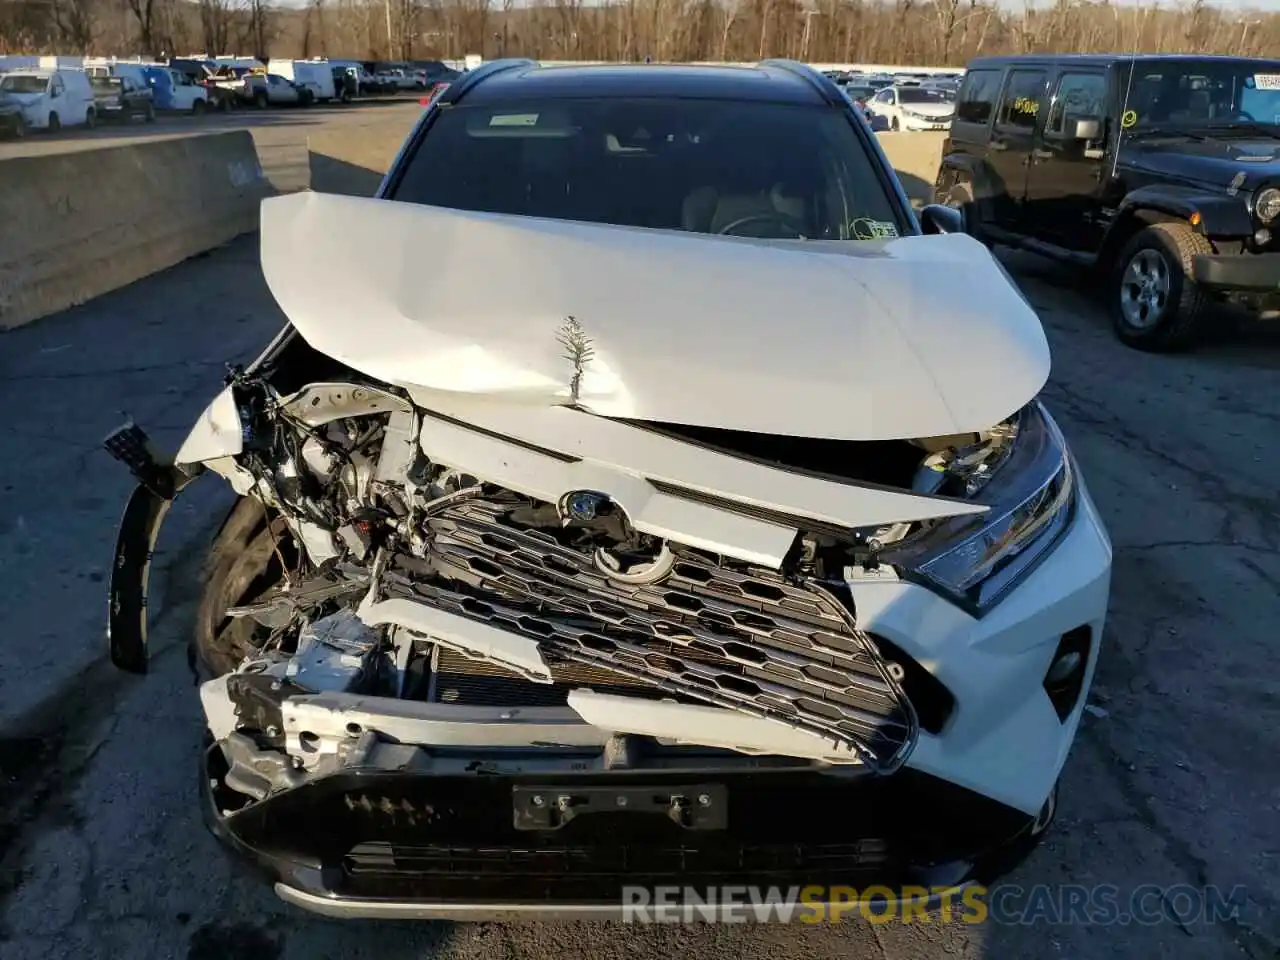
[{"x": 1245, "y": 272}]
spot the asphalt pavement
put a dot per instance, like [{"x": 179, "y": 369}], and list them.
[{"x": 102, "y": 854}]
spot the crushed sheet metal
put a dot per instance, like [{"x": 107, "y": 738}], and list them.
[
  {"x": 705, "y": 726},
  {"x": 469, "y": 637},
  {"x": 911, "y": 337},
  {"x": 550, "y": 479},
  {"x": 622, "y": 449}
]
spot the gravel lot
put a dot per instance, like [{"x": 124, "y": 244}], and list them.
[{"x": 101, "y": 853}]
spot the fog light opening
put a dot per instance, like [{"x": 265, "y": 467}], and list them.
[{"x": 1064, "y": 680}]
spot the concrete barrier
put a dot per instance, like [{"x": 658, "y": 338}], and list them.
[
  {"x": 76, "y": 225},
  {"x": 916, "y": 158}
]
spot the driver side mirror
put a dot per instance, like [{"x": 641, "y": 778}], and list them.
[
  {"x": 1086, "y": 128},
  {"x": 937, "y": 219}
]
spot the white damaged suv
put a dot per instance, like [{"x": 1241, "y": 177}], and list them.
[{"x": 669, "y": 510}]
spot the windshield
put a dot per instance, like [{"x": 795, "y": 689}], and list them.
[
  {"x": 921, "y": 95},
  {"x": 706, "y": 166},
  {"x": 106, "y": 84},
  {"x": 860, "y": 93},
  {"x": 1189, "y": 93},
  {"x": 20, "y": 84}
]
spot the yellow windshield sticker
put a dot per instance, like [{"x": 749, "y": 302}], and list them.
[
  {"x": 1028, "y": 106},
  {"x": 867, "y": 229},
  {"x": 1129, "y": 119}
]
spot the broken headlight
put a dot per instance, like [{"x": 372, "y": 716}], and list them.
[{"x": 976, "y": 560}]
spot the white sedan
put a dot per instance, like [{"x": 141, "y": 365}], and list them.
[{"x": 914, "y": 108}]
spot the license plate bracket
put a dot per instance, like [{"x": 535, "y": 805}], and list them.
[{"x": 696, "y": 807}]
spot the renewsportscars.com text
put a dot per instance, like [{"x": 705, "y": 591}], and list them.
[{"x": 1103, "y": 904}]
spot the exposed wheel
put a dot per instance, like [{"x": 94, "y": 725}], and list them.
[
  {"x": 242, "y": 564},
  {"x": 150, "y": 114},
  {"x": 55, "y": 123},
  {"x": 893, "y": 125},
  {"x": 260, "y": 99},
  {"x": 199, "y": 107},
  {"x": 1155, "y": 304},
  {"x": 19, "y": 127},
  {"x": 91, "y": 118}
]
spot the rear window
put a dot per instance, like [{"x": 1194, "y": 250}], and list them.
[
  {"x": 707, "y": 166},
  {"x": 106, "y": 84}
]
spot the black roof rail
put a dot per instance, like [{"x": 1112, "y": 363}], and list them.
[
  {"x": 485, "y": 70},
  {"x": 819, "y": 81}
]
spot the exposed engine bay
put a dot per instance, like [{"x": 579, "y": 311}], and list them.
[{"x": 397, "y": 578}]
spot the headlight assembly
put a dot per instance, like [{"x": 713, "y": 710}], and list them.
[
  {"x": 976, "y": 560},
  {"x": 1267, "y": 204}
]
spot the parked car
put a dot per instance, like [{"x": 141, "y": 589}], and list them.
[
  {"x": 122, "y": 98},
  {"x": 12, "y": 121},
  {"x": 174, "y": 90},
  {"x": 913, "y": 108},
  {"x": 315, "y": 75},
  {"x": 1160, "y": 173},
  {"x": 279, "y": 91},
  {"x": 667, "y": 555},
  {"x": 51, "y": 99}
]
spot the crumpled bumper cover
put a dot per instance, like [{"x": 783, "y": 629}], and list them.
[{"x": 412, "y": 844}]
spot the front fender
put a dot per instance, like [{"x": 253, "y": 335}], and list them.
[{"x": 1220, "y": 215}]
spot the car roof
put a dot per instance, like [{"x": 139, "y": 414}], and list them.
[
  {"x": 1106, "y": 59},
  {"x": 765, "y": 83}
]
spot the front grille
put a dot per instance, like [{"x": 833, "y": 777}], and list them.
[
  {"x": 652, "y": 861},
  {"x": 731, "y": 635}
]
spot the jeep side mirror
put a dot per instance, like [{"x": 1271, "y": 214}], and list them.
[
  {"x": 1087, "y": 128},
  {"x": 936, "y": 218}
]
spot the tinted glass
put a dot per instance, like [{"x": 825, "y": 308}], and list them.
[
  {"x": 748, "y": 169},
  {"x": 1080, "y": 96},
  {"x": 921, "y": 95},
  {"x": 1199, "y": 93},
  {"x": 1022, "y": 100},
  {"x": 977, "y": 97}
]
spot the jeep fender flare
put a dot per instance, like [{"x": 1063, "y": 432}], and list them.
[
  {"x": 961, "y": 166},
  {"x": 1219, "y": 216}
]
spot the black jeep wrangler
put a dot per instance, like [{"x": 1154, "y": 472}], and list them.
[{"x": 1162, "y": 172}]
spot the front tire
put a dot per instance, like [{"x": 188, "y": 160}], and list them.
[
  {"x": 55, "y": 123},
  {"x": 241, "y": 565},
  {"x": 150, "y": 115},
  {"x": 1155, "y": 304},
  {"x": 894, "y": 125},
  {"x": 960, "y": 197},
  {"x": 90, "y": 119}
]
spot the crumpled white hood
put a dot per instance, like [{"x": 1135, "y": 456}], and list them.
[{"x": 914, "y": 337}]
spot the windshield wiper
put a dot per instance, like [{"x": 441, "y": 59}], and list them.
[
  {"x": 1146, "y": 132},
  {"x": 1244, "y": 126}
]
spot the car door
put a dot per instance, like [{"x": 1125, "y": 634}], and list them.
[
  {"x": 184, "y": 92},
  {"x": 1012, "y": 141},
  {"x": 1062, "y": 194},
  {"x": 882, "y": 103}
]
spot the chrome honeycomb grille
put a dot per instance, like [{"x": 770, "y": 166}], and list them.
[{"x": 734, "y": 636}]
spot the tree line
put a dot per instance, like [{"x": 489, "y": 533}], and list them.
[{"x": 918, "y": 32}]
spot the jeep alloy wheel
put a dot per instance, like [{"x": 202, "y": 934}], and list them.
[
  {"x": 1155, "y": 304},
  {"x": 1144, "y": 289}
]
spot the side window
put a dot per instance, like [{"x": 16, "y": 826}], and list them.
[
  {"x": 884, "y": 96},
  {"x": 57, "y": 88},
  {"x": 977, "y": 97},
  {"x": 1022, "y": 101},
  {"x": 1080, "y": 96}
]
